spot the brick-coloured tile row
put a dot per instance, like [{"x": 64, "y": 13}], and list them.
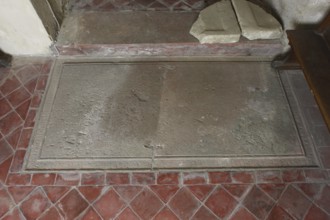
[
  {"x": 104, "y": 178},
  {"x": 146, "y": 202}
]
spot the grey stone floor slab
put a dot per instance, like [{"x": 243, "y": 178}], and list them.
[
  {"x": 127, "y": 27},
  {"x": 145, "y": 114}
]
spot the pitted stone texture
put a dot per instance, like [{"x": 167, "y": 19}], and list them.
[
  {"x": 217, "y": 24},
  {"x": 143, "y": 114},
  {"x": 255, "y": 22}
]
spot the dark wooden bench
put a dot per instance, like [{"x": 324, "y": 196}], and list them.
[{"x": 311, "y": 50}]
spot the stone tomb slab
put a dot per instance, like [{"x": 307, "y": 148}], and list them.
[{"x": 145, "y": 114}]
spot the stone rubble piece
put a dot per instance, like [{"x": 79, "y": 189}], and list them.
[
  {"x": 255, "y": 22},
  {"x": 217, "y": 24}
]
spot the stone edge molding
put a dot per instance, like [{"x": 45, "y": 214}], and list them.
[
  {"x": 218, "y": 23},
  {"x": 255, "y": 22},
  {"x": 212, "y": 28}
]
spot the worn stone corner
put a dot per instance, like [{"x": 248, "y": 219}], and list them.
[{"x": 217, "y": 24}]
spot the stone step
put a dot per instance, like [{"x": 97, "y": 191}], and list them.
[{"x": 147, "y": 33}]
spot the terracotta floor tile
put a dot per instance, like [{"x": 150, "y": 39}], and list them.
[
  {"x": 23, "y": 109},
  {"x": 4, "y": 107},
  {"x": 19, "y": 193},
  {"x": 237, "y": 190},
  {"x": 14, "y": 214},
  {"x": 25, "y": 138},
  {"x": 272, "y": 176},
  {"x": 164, "y": 192},
  {"x": 184, "y": 204},
  {"x": 127, "y": 214},
  {"x": 4, "y": 168},
  {"x": 274, "y": 190},
  {"x": 128, "y": 192},
  {"x": 67, "y": 179},
  {"x": 31, "y": 85},
  {"x": 243, "y": 214},
  {"x": 10, "y": 122},
  {"x": 311, "y": 190},
  {"x": 92, "y": 179},
  {"x": 51, "y": 214},
  {"x": 42, "y": 179},
  {"x": 324, "y": 199},
  {"x": 17, "y": 164},
  {"x": 35, "y": 204},
  {"x": 16, "y": 179},
  {"x": 18, "y": 97},
  {"x": 9, "y": 85},
  {"x": 91, "y": 193},
  {"x": 204, "y": 213},
  {"x": 143, "y": 178},
  {"x": 243, "y": 177},
  {"x": 293, "y": 176},
  {"x": 46, "y": 66},
  {"x": 146, "y": 204},
  {"x": 72, "y": 204},
  {"x": 194, "y": 178},
  {"x": 5, "y": 150},
  {"x": 27, "y": 73},
  {"x": 6, "y": 203},
  {"x": 294, "y": 202},
  {"x": 90, "y": 214},
  {"x": 14, "y": 136},
  {"x": 36, "y": 99},
  {"x": 168, "y": 178},
  {"x": 55, "y": 193},
  {"x": 104, "y": 208},
  {"x": 220, "y": 177},
  {"x": 315, "y": 213},
  {"x": 201, "y": 191},
  {"x": 117, "y": 178},
  {"x": 221, "y": 203},
  {"x": 166, "y": 214},
  {"x": 42, "y": 82},
  {"x": 258, "y": 203},
  {"x": 30, "y": 119},
  {"x": 315, "y": 175},
  {"x": 278, "y": 213}
]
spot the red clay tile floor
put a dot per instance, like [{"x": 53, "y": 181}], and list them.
[{"x": 300, "y": 193}]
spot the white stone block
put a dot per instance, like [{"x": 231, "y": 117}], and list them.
[
  {"x": 217, "y": 24},
  {"x": 255, "y": 22}
]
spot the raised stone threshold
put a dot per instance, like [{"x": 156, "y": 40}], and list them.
[{"x": 150, "y": 33}]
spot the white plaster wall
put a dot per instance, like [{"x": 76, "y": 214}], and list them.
[
  {"x": 295, "y": 13},
  {"x": 21, "y": 30}
]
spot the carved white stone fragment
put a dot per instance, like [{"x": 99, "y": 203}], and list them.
[
  {"x": 255, "y": 22},
  {"x": 217, "y": 24}
]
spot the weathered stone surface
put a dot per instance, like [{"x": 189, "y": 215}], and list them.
[
  {"x": 217, "y": 24},
  {"x": 255, "y": 22},
  {"x": 134, "y": 113}
]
